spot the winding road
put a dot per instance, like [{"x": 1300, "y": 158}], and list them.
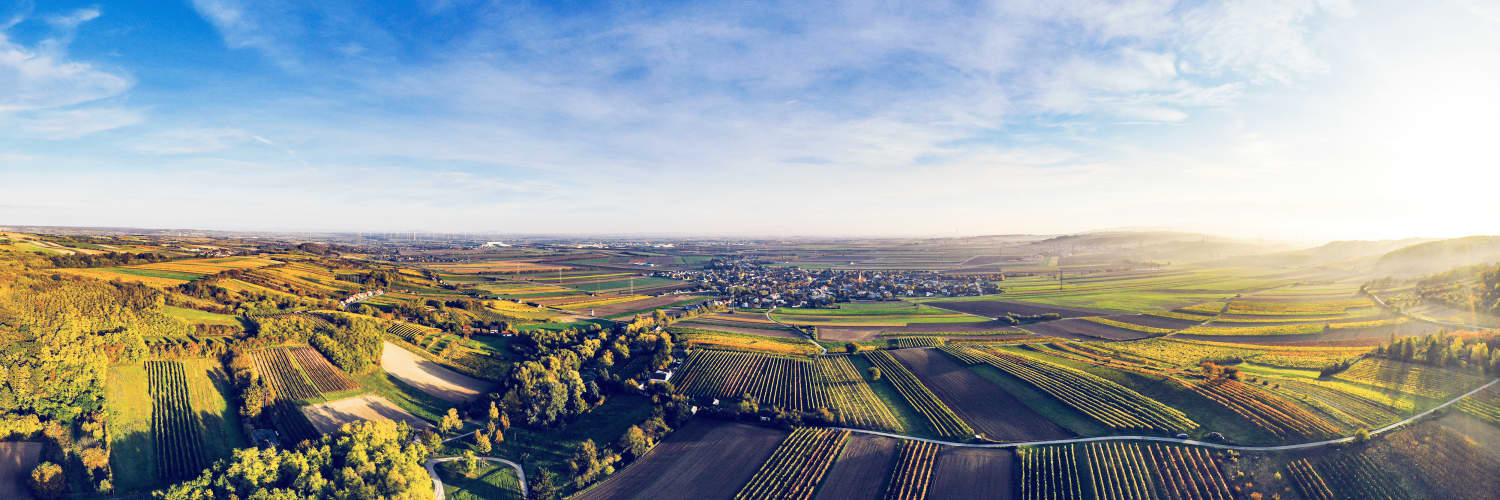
[{"x": 437, "y": 484}]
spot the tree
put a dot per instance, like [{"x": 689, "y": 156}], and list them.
[
  {"x": 851, "y": 348},
  {"x": 542, "y": 487},
  {"x": 634, "y": 442},
  {"x": 874, "y": 373},
  {"x": 451, "y": 422},
  {"x": 1361, "y": 435},
  {"x": 371, "y": 459},
  {"x": 482, "y": 442},
  {"x": 494, "y": 411},
  {"x": 47, "y": 480},
  {"x": 470, "y": 463}
]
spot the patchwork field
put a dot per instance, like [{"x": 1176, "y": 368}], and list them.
[
  {"x": 704, "y": 459},
  {"x": 991, "y": 411}
]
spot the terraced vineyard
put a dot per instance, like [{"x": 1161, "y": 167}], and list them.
[
  {"x": 919, "y": 396},
  {"x": 1308, "y": 481},
  {"x": 1121, "y": 470},
  {"x": 797, "y": 466},
  {"x": 1410, "y": 378},
  {"x": 175, "y": 429},
  {"x": 1275, "y": 415},
  {"x": 780, "y": 381},
  {"x": 1111, "y": 404},
  {"x": 853, "y": 399},
  {"x": 1484, "y": 405},
  {"x": 1049, "y": 472},
  {"x": 913, "y": 471},
  {"x": 1351, "y": 474},
  {"x": 285, "y": 379},
  {"x": 325, "y": 377}
]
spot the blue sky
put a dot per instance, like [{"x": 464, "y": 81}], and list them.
[{"x": 1308, "y": 120}]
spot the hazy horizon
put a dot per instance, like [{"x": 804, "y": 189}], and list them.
[{"x": 1307, "y": 121}]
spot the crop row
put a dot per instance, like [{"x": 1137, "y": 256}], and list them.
[
  {"x": 1485, "y": 405},
  {"x": 175, "y": 428},
  {"x": 1267, "y": 411},
  {"x": 1409, "y": 378},
  {"x": 1364, "y": 412},
  {"x": 1351, "y": 474},
  {"x": 1049, "y": 472},
  {"x": 943, "y": 420},
  {"x": 1121, "y": 470},
  {"x": 1313, "y": 308},
  {"x": 913, "y": 471},
  {"x": 1110, "y": 403},
  {"x": 784, "y": 382},
  {"x": 856, "y": 403},
  {"x": 797, "y": 466},
  {"x": 1128, "y": 326},
  {"x": 910, "y": 342},
  {"x": 324, "y": 376},
  {"x": 1308, "y": 481},
  {"x": 285, "y": 379},
  {"x": 1188, "y": 353}
]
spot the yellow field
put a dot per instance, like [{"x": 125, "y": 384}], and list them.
[
  {"x": 106, "y": 275},
  {"x": 600, "y": 301},
  {"x": 209, "y": 266},
  {"x": 497, "y": 266}
]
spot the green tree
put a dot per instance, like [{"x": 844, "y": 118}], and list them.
[
  {"x": 470, "y": 464},
  {"x": 451, "y": 422},
  {"x": 542, "y": 487},
  {"x": 47, "y": 480},
  {"x": 482, "y": 442},
  {"x": 634, "y": 442},
  {"x": 851, "y": 348},
  {"x": 874, "y": 372}
]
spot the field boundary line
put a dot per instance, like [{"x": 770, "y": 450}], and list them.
[
  {"x": 1191, "y": 442},
  {"x": 799, "y": 331}
]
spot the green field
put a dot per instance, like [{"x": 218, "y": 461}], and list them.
[
  {"x": 491, "y": 482},
  {"x": 197, "y": 317},
  {"x": 133, "y": 457},
  {"x": 641, "y": 282},
  {"x": 153, "y": 273}
]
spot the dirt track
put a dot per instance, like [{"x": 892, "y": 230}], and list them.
[
  {"x": 430, "y": 377},
  {"x": 983, "y": 405},
  {"x": 705, "y": 459}
]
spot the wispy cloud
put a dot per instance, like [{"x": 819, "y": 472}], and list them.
[{"x": 46, "y": 93}]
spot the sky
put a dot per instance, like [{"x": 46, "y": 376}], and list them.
[{"x": 1283, "y": 119}]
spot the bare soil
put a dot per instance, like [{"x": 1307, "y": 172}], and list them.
[
  {"x": 862, "y": 469},
  {"x": 704, "y": 459},
  {"x": 329, "y": 417},
  {"x": 1084, "y": 330},
  {"x": 973, "y": 473},
  {"x": 984, "y": 406},
  {"x": 430, "y": 377}
]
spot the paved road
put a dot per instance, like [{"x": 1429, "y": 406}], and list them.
[
  {"x": 437, "y": 484},
  {"x": 1284, "y": 447}
]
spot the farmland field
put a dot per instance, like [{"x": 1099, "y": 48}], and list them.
[
  {"x": 704, "y": 459},
  {"x": 429, "y": 377},
  {"x": 132, "y": 416},
  {"x": 797, "y": 466},
  {"x": 329, "y": 417},
  {"x": 973, "y": 473},
  {"x": 861, "y": 470},
  {"x": 991, "y": 411},
  {"x": 915, "y": 393},
  {"x": 175, "y": 428}
]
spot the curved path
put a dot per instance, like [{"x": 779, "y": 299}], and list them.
[
  {"x": 1176, "y": 440},
  {"x": 795, "y": 329},
  {"x": 437, "y": 484}
]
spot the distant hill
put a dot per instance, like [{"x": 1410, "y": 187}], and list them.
[
  {"x": 1348, "y": 253},
  {"x": 1440, "y": 255},
  {"x": 1158, "y": 246}
]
